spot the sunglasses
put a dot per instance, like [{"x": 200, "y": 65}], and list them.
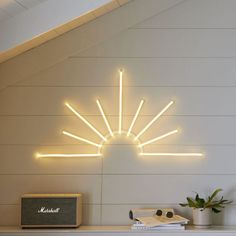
[{"x": 168, "y": 214}]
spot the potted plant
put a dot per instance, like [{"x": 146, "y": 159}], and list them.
[{"x": 203, "y": 207}]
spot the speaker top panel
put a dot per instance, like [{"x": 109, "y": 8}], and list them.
[{"x": 52, "y": 195}]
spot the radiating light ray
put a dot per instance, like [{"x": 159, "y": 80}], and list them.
[
  {"x": 104, "y": 118},
  {"x": 120, "y": 102},
  {"x": 40, "y": 155},
  {"x": 158, "y": 138},
  {"x": 170, "y": 154},
  {"x": 154, "y": 119},
  {"x": 85, "y": 121},
  {"x": 104, "y": 138},
  {"x": 81, "y": 139},
  {"x": 135, "y": 117}
]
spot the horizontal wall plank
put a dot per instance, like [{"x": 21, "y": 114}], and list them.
[
  {"x": 119, "y": 214},
  {"x": 159, "y": 189},
  {"x": 137, "y": 72},
  {"x": 20, "y": 159},
  {"x": 13, "y": 186},
  {"x": 47, "y": 130},
  {"x": 195, "y": 14},
  {"x": 50, "y": 101},
  {"x": 11, "y": 213},
  {"x": 168, "y": 43},
  {"x": 91, "y": 214},
  {"x": 121, "y": 159},
  {"x": 118, "y": 159}
]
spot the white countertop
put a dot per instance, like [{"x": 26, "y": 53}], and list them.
[{"x": 119, "y": 229}]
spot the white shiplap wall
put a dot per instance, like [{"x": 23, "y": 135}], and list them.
[{"x": 186, "y": 53}]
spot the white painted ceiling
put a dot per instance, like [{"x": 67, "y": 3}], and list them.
[
  {"x": 25, "y": 24},
  {"x": 11, "y": 8}
]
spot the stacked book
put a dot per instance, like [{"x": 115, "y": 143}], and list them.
[{"x": 160, "y": 223}]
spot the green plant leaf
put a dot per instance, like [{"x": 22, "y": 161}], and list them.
[
  {"x": 210, "y": 202},
  {"x": 197, "y": 197},
  {"x": 191, "y": 202},
  {"x": 210, "y": 199},
  {"x": 215, "y": 210},
  {"x": 200, "y": 203},
  {"x": 215, "y": 193}
]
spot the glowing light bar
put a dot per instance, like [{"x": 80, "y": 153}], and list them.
[
  {"x": 81, "y": 139},
  {"x": 135, "y": 117},
  {"x": 154, "y": 119},
  {"x": 120, "y": 102},
  {"x": 39, "y": 155},
  {"x": 119, "y": 131},
  {"x": 85, "y": 121},
  {"x": 171, "y": 154},
  {"x": 104, "y": 118},
  {"x": 158, "y": 138}
]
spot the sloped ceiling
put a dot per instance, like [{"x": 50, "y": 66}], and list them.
[
  {"x": 25, "y": 24},
  {"x": 11, "y": 8},
  {"x": 80, "y": 39}
]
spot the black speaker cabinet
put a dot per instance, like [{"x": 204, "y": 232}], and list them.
[{"x": 51, "y": 210}]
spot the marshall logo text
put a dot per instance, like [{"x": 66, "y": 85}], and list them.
[{"x": 45, "y": 210}]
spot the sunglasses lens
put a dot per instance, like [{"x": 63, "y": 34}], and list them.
[
  {"x": 169, "y": 214},
  {"x": 159, "y": 213},
  {"x": 131, "y": 216}
]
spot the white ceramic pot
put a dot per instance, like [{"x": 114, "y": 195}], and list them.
[{"x": 202, "y": 218}]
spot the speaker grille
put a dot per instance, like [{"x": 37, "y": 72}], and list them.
[{"x": 32, "y": 213}]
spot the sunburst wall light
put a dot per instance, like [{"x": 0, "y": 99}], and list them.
[{"x": 105, "y": 137}]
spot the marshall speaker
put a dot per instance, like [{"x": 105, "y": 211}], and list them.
[{"x": 51, "y": 210}]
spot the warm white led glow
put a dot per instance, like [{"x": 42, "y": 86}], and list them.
[
  {"x": 154, "y": 119},
  {"x": 39, "y": 155},
  {"x": 135, "y": 117},
  {"x": 170, "y": 154},
  {"x": 111, "y": 132},
  {"x": 81, "y": 139},
  {"x": 120, "y": 102},
  {"x": 104, "y": 118},
  {"x": 158, "y": 138},
  {"x": 85, "y": 121}
]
